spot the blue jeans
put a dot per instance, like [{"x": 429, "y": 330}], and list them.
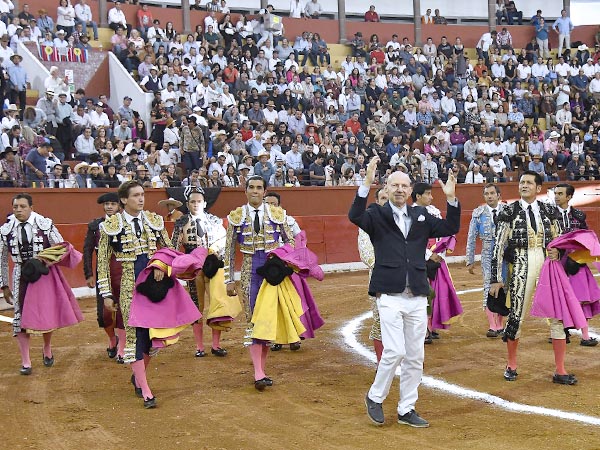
[
  {"x": 94, "y": 26},
  {"x": 457, "y": 150},
  {"x": 190, "y": 160}
]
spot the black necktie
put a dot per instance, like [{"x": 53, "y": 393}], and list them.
[
  {"x": 256, "y": 222},
  {"x": 495, "y": 216},
  {"x": 532, "y": 219},
  {"x": 199, "y": 229},
  {"x": 24, "y": 238},
  {"x": 566, "y": 220},
  {"x": 137, "y": 228}
]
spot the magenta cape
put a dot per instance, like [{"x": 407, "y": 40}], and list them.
[
  {"x": 177, "y": 308},
  {"x": 554, "y": 296},
  {"x": 446, "y": 304},
  {"x": 49, "y": 303},
  {"x": 305, "y": 264}
]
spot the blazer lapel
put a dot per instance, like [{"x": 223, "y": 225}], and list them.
[{"x": 389, "y": 216}]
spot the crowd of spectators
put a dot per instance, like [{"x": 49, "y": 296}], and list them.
[{"x": 236, "y": 98}]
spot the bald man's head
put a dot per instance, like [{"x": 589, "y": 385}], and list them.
[{"x": 399, "y": 189}]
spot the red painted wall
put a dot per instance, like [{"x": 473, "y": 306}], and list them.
[{"x": 322, "y": 212}]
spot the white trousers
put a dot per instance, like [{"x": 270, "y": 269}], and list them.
[
  {"x": 403, "y": 329},
  {"x": 566, "y": 39}
]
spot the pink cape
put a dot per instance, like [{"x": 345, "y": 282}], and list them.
[
  {"x": 177, "y": 308},
  {"x": 49, "y": 303},
  {"x": 305, "y": 264},
  {"x": 554, "y": 296},
  {"x": 446, "y": 303}
]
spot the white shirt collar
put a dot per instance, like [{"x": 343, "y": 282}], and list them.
[
  {"x": 399, "y": 211},
  {"x": 497, "y": 208},
  {"x": 129, "y": 218},
  {"x": 563, "y": 210},
  {"x": 534, "y": 206}
]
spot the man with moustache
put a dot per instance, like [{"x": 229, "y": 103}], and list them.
[
  {"x": 524, "y": 230},
  {"x": 257, "y": 228}
]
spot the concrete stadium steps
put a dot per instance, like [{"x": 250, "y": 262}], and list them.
[
  {"x": 104, "y": 36},
  {"x": 33, "y": 96}
]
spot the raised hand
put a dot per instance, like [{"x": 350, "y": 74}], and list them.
[
  {"x": 371, "y": 168},
  {"x": 449, "y": 187}
]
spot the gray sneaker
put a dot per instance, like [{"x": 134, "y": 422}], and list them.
[
  {"x": 374, "y": 411},
  {"x": 413, "y": 419}
]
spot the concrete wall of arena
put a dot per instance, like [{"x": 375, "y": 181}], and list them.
[
  {"x": 36, "y": 72},
  {"x": 293, "y": 27},
  {"x": 122, "y": 84},
  {"x": 322, "y": 212},
  {"x": 474, "y": 9}
]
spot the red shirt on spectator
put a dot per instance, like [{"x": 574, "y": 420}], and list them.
[
  {"x": 371, "y": 16},
  {"x": 230, "y": 75},
  {"x": 378, "y": 55},
  {"x": 353, "y": 125},
  {"x": 246, "y": 134}
]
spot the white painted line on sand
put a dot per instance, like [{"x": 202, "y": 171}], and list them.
[{"x": 350, "y": 330}]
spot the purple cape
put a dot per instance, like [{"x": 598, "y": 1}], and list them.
[
  {"x": 49, "y": 303},
  {"x": 305, "y": 264},
  {"x": 554, "y": 296},
  {"x": 177, "y": 308},
  {"x": 446, "y": 303}
]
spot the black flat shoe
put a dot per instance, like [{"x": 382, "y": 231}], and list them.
[
  {"x": 48, "y": 362},
  {"x": 200, "y": 354},
  {"x": 120, "y": 360},
  {"x": 276, "y": 347},
  {"x": 150, "y": 403},
  {"x": 25, "y": 370},
  {"x": 261, "y": 384},
  {"x": 218, "y": 351},
  {"x": 138, "y": 391},
  {"x": 295, "y": 346},
  {"x": 564, "y": 379},
  {"x": 435, "y": 335},
  {"x": 268, "y": 381},
  {"x": 510, "y": 374},
  {"x": 112, "y": 351}
]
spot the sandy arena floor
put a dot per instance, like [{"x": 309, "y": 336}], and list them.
[{"x": 86, "y": 402}]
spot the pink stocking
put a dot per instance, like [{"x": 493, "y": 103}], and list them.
[
  {"x": 23, "y": 341},
  {"x": 216, "y": 339},
  {"x": 499, "y": 322},
  {"x": 146, "y": 360},
  {"x": 585, "y": 333},
  {"x": 122, "y": 340},
  {"x": 263, "y": 357},
  {"x": 560, "y": 349},
  {"x": 256, "y": 356},
  {"x": 110, "y": 332},
  {"x": 198, "y": 329},
  {"x": 491, "y": 317},
  {"x": 47, "y": 346},
  {"x": 140, "y": 378}
]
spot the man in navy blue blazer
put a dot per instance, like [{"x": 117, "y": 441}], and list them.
[{"x": 399, "y": 234}]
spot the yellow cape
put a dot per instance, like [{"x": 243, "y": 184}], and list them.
[
  {"x": 168, "y": 335},
  {"x": 221, "y": 305},
  {"x": 277, "y": 313}
]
